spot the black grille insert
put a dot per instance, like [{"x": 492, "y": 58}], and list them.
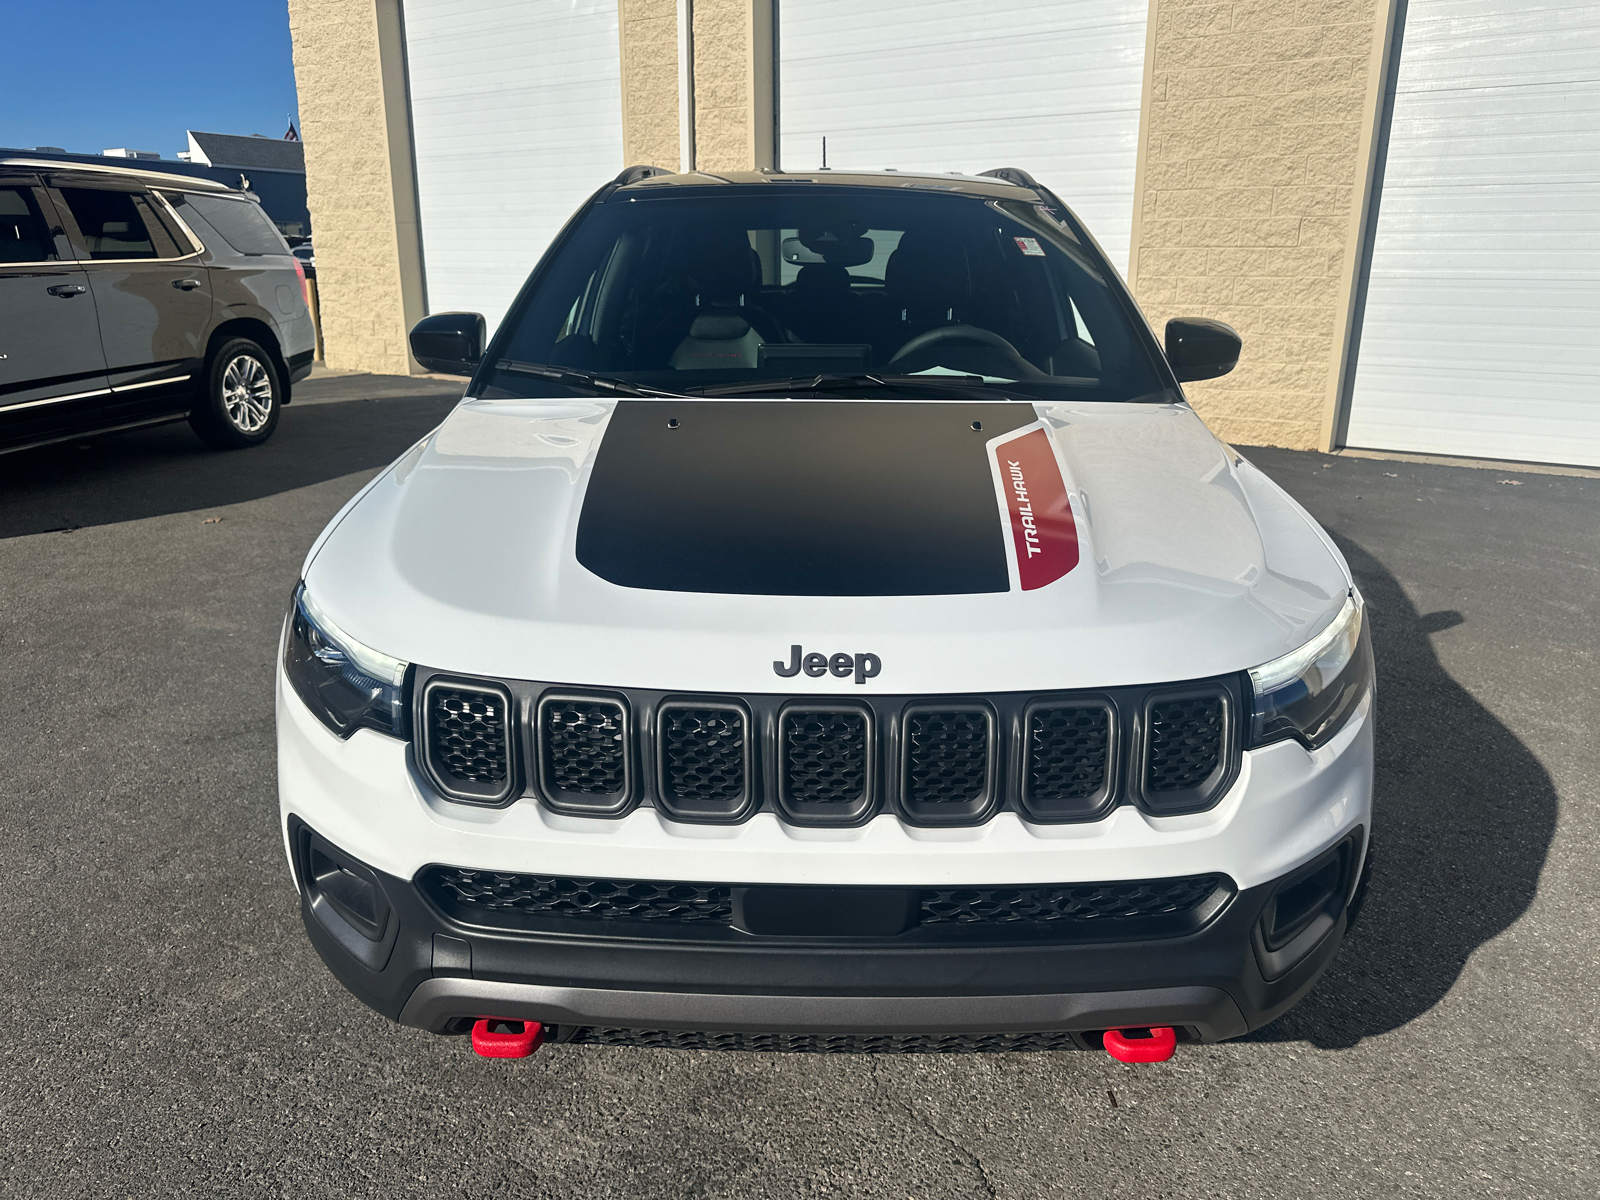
[
  {"x": 947, "y": 763},
  {"x": 509, "y": 901},
  {"x": 584, "y": 754},
  {"x": 825, "y": 763},
  {"x": 703, "y": 760},
  {"x": 1186, "y": 739},
  {"x": 467, "y": 730},
  {"x": 1073, "y": 902},
  {"x": 1069, "y": 767},
  {"x": 819, "y": 1043}
]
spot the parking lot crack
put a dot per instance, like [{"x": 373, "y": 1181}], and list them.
[{"x": 967, "y": 1156}]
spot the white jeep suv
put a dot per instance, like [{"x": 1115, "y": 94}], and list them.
[{"x": 824, "y": 625}]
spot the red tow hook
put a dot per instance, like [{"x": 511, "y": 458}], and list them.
[
  {"x": 1155, "y": 1044},
  {"x": 495, "y": 1037}
]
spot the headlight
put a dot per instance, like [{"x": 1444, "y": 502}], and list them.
[
  {"x": 1310, "y": 694},
  {"x": 349, "y": 686}
]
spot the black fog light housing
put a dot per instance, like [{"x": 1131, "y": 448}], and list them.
[
  {"x": 1304, "y": 907},
  {"x": 345, "y": 897}
]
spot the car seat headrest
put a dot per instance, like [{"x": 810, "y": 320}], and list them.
[
  {"x": 723, "y": 268},
  {"x": 822, "y": 279},
  {"x": 928, "y": 271}
]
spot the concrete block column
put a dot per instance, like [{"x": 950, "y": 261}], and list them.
[
  {"x": 1255, "y": 168},
  {"x": 349, "y": 62},
  {"x": 734, "y": 64},
  {"x": 650, "y": 116}
]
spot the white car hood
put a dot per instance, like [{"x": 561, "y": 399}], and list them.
[{"x": 464, "y": 556}]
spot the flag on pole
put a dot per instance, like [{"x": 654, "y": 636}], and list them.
[{"x": 291, "y": 136}]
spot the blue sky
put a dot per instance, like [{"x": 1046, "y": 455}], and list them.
[{"x": 89, "y": 75}]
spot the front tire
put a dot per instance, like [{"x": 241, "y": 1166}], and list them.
[{"x": 242, "y": 399}]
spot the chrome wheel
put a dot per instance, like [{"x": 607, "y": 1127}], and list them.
[{"x": 247, "y": 393}]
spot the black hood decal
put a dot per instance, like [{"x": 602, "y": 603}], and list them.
[{"x": 799, "y": 498}]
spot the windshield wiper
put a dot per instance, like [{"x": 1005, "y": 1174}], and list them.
[
  {"x": 600, "y": 384},
  {"x": 814, "y": 383}
]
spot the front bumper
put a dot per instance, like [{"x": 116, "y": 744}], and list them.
[
  {"x": 418, "y": 966},
  {"x": 1289, "y": 809}
]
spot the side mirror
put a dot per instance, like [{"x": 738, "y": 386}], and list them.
[
  {"x": 450, "y": 343},
  {"x": 1199, "y": 348}
]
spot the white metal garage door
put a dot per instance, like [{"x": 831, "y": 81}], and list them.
[
  {"x": 1482, "y": 327},
  {"x": 516, "y": 114},
  {"x": 1051, "y": 86}
]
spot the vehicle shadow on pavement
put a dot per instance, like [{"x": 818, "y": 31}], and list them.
[
  {"x": 152, "y": 472},
  {"x": 1464, "y": 814}
]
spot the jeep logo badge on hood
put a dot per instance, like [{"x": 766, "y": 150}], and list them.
[{"x": 862, "y": 666}]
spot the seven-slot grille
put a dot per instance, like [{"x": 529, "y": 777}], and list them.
[{"x": 1062, "y": 757}]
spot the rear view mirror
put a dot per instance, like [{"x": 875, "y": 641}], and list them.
[
  {"x": 851, "y": 252},
  {"x": 450, "y": 343},
  {"x": 1199, "y": 348}
]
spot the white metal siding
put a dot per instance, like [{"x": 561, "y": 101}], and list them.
[
  {"x": 1482, "y": 327},
  {"x": 1051, "y": 86},
  {"x": 516, "y": 113}
]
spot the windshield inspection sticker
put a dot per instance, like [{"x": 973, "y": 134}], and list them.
[
  {"x": 1030, "y": 247},
  {"x": 1044, "y": 536}
]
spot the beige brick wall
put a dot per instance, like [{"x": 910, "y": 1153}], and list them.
[
  {"x": 649, "y": 35},
  {"x": 733, "y": 84},
  {"x": 1252, "y": 180},
  {"x": 348, "y": 70}
]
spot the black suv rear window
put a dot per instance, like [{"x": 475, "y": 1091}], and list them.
[
  {"x": 241, "y": 223},
  {"x": 23, "y": 235},
  {"x": 111, "y": 226}
]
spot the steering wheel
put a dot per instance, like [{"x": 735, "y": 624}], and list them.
[{"x": 962, "y": 335}]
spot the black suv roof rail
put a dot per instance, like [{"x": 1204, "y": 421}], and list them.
[
  {"x": 1014, "y": 175},
  {"x": 634, "y": 174}
]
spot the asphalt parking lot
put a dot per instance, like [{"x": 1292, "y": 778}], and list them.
[{"x": 171, "y": 1031}]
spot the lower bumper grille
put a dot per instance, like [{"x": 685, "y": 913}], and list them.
[
  {"x": 1069, "y": 902},
  {"x": 524, "y": 896},
  {"x": 1125, "y": 908},
  {"x": 816, "y": 1043}
]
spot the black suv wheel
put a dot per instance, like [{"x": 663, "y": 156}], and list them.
[{"x": 242, "y": 399}]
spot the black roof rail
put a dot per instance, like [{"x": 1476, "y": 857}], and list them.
[
  {"x": 1014, "y": 175},
  {"x": 634, "y": 174}
]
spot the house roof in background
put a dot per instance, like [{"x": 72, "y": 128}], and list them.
[{"x": 246, "y": 153}]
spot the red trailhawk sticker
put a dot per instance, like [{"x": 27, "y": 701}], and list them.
[{"x": 1044, "y": 535}]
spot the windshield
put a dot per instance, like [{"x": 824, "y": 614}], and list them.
[{"x": 716, "y": 293}]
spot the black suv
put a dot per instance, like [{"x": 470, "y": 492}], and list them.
[{"x": 131, "y": 298}]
